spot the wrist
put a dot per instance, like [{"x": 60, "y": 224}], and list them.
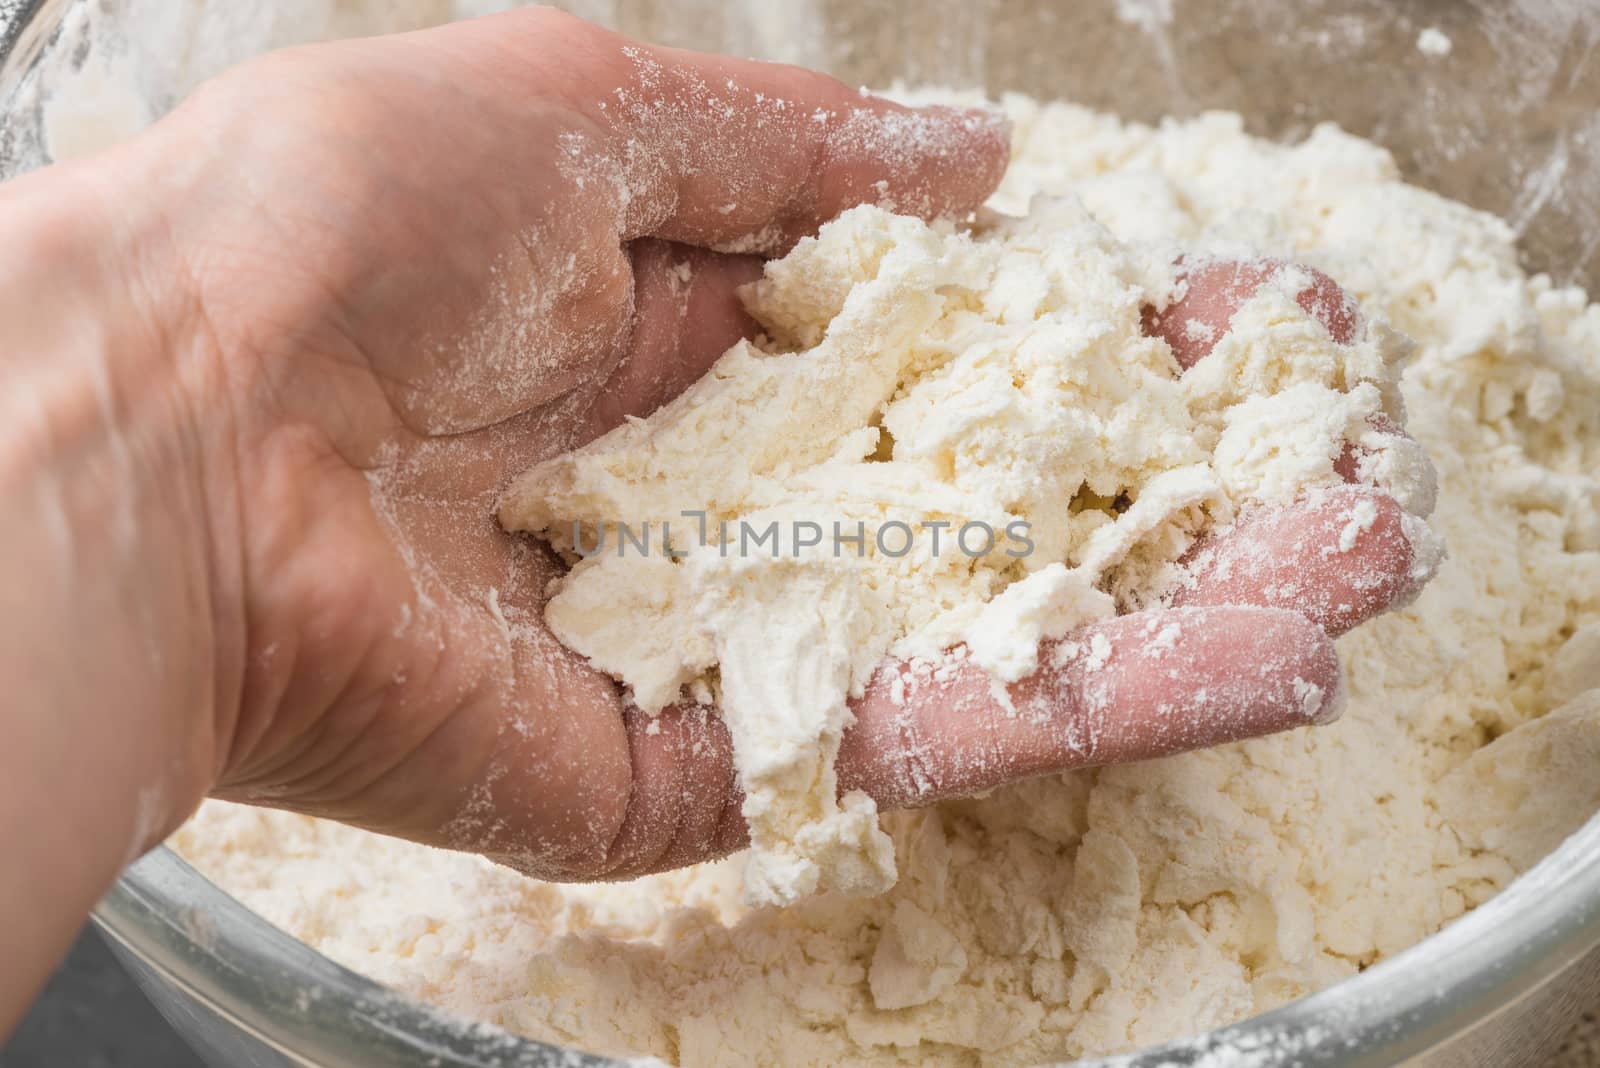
[{"x": 114, "y": 623}]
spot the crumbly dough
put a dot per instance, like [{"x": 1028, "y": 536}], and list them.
[
  {"x": 988, "y": 384},
  {"x": 1103, "y": 910}
]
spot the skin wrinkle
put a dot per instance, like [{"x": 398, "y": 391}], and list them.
[
  {"x": 694, "y": 826},
  {"x": 255, "y": 722},
  {"x": 660, "y": 321},
  {"x": 920, "y": 780},
  {"x": 396, "y": 773},
  {"x": 143, "y": 261},
  {"x": 917, "y": 780},
  {"x": 684, "y": 737},
  {"x": 221, "y": 569},
  {"x": 329, "y": 781},
  {"x": 644, "y": 815},
  {"x": 287, "y": 774}
]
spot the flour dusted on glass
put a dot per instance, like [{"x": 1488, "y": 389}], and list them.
[
  {"x": 1107, "y": 909},
  {"x": 1434, "y": 42},
  {"x": 174, "y": 45}
]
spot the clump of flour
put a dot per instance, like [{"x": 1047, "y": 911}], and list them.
[{"x": 990, "y": 384}]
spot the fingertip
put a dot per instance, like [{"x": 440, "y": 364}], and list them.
[
  {"x": 988, "y": 133},
  {"x": 1297, "y": 664},
  {"x": 932, "y": 162},
  {"x": 1374, "y": 557},
  {"x": 1318, "y": 684},
  {"x": 1327, "y": 302},
  {"x": 1213, "y": 290},
  {"x": 1339, "y": 559},
  {"x": 750, "y": 157}
]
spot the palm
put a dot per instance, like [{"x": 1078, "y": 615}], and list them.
[
  {"x": 489, "y": 280},
  {"x": 382, "y": 440},
  {"x": 422, "y": 343}
]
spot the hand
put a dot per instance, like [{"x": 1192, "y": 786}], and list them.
[
  {"x": 407, "y": 269},
  {"x": 410, "y": 268}
]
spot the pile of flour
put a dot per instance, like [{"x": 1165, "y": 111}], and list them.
[
  {"x": 1100, "y": 910},
  {"x": 1107, "y": 909}
]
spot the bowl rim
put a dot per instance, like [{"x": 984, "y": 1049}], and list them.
[
  {"x": 23, "y": 32},
  {"x": 284, "y": 993}
]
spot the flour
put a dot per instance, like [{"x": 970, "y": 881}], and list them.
[
  {"x": 1101, "y": 910},
  {"x": 1434, "y": 42}
]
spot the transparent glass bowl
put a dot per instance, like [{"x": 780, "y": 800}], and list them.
[{"x": 1508, "y": 121}]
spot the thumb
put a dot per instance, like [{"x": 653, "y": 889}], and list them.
[
  {"x": 743, "y": 156},
  {"x": 687, "y": 312}
]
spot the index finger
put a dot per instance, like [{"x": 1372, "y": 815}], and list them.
[{"x": 744, "y": 156}]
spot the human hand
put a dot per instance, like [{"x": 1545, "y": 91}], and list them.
[{"x": 412, "y": 267}]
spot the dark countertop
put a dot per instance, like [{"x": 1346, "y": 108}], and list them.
[{"x": 92, "y": 1016}]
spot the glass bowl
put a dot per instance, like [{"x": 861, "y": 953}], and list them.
[{"x": 1505, "y": 121}]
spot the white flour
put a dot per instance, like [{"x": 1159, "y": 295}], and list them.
[
  {"x": 1433, "y": 42},
  {"x": 1101, "y": 910}
]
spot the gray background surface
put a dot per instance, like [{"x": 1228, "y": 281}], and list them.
[{"x": 92, "y": 1016}]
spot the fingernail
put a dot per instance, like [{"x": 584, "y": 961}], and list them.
[{"x": 1325, "y": 704}]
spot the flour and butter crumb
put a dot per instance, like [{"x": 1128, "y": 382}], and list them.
[
  {"x": 1107, "y": 909},
  {"x": 988, "y": 383}
]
